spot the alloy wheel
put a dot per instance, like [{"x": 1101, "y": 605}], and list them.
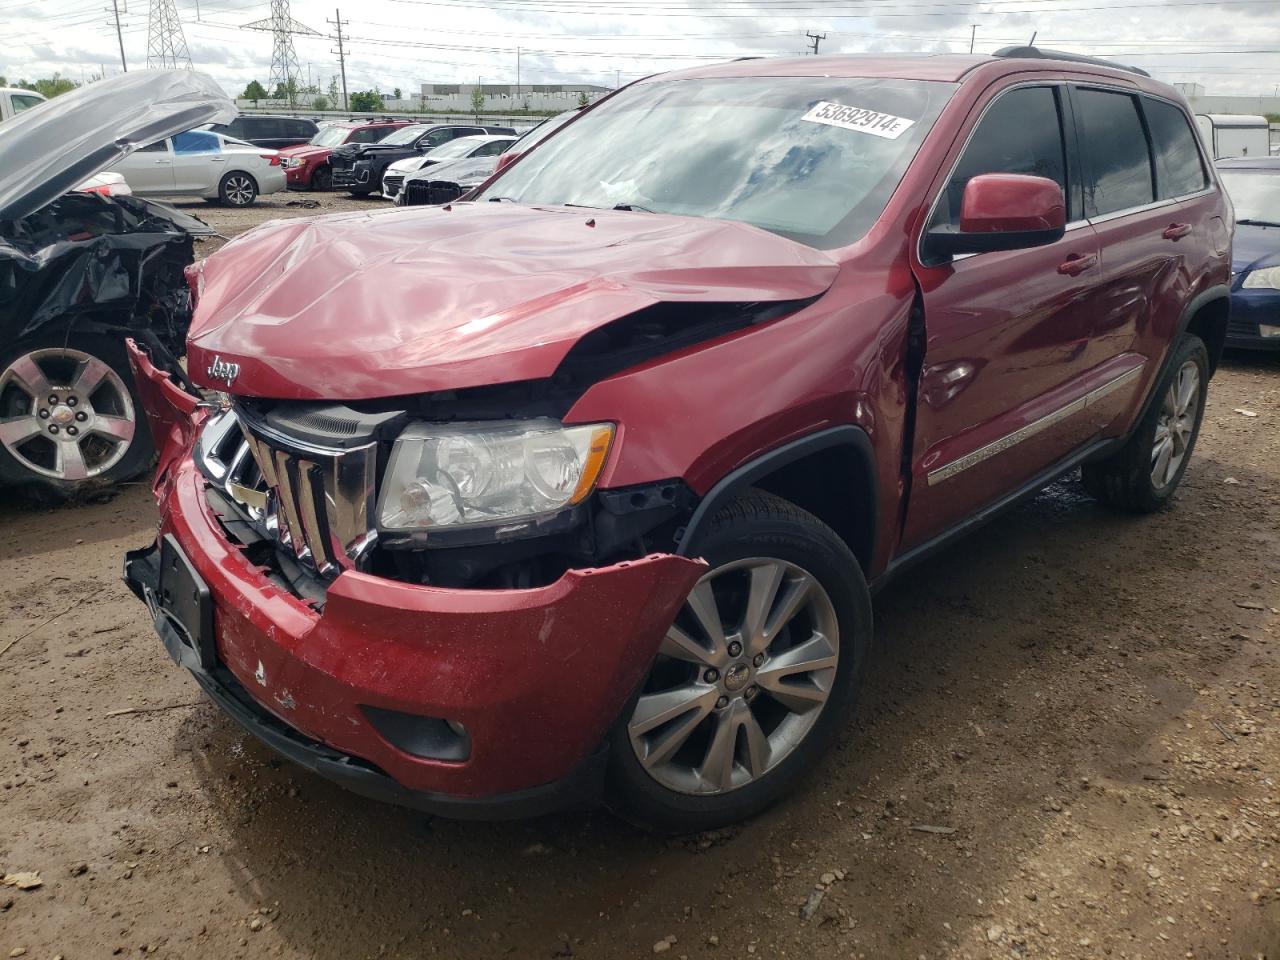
[
  {"x": 740, "y": 679},
  {"x": 1176, "y": 425},
  {"x": 238, "y": 190},
  {"x": 65, "y": 414}
]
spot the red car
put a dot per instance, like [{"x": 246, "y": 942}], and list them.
[
  {"x": 307, "y": 166},
  {"x": 582, "y": 488}
]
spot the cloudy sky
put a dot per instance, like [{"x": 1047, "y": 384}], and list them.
[{"x": 1229, "y": 46}]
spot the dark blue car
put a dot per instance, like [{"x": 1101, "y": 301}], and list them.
[{"x": 1253, "y": 183}]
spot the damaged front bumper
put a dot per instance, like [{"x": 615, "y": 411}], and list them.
[{"x": 470, "y": 703}]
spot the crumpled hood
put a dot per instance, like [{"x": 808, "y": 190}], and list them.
[
  {"x": 403, "y": 301},
  {"x": 1254, "y": 247}
]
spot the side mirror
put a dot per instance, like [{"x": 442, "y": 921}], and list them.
[
  {"x": 1003, "y": 211},
  {"x": 505, "y": 160}
]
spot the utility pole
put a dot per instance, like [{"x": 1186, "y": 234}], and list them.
[
  {"x": 973, "y": 35},
  {"x": 517, "y": 73},
  {"x": 115, "y": 7},
  {"x": 338, "y": 23},
  {"x": 817, "y": 38}
]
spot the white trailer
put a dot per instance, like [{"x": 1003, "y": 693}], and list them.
[{"x": 1232, "y": 135}]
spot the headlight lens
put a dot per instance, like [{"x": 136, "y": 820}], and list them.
[
  {"x": 1268, "y": 278},
  {"x": 452, "y": 476}
]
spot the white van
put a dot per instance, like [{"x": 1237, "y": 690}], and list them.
[
  {"x": 14, "y": 100},
  {"x": 1231, "y": 135}
]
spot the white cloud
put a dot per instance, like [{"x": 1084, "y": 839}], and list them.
[{"x": 401, "y": 43}]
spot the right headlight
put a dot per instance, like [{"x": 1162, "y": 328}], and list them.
[
  {"x": 453, "y": 476},
  {"x": 1268, "y": 278}
]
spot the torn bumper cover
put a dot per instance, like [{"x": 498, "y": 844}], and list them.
[{"x": 468, "y": 703}]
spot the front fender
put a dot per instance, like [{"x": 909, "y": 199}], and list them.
[{"x": 174, "y": 414}]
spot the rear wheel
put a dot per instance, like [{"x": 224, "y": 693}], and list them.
[
  {"x": 755, "y": 677},
  {"x": 70, "y": 419},
  {"x": 237, "y": 189},
  {"x": 1143, "y": 474}
]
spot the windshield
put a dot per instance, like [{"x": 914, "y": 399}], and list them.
[
  {"x": 455, "y": 148},
  {"x": 404, "y": 135},
  {"x": 543, "y": 130},
  {"x": 812, "y": 158},
  {"x": 330, "y": 136},
  {"x": 1254, "y": 193}
]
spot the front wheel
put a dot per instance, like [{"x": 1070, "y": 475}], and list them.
[
  {"x": 321, "y": 178},
  {"x": 237, "y": 189},
  {"x": 70, "y": 419},
  {"x": 753, "y": 680},
  {"x": 1142, "y": 475}
]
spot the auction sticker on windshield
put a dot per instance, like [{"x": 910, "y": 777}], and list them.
[{"x": 874, "y": 122}]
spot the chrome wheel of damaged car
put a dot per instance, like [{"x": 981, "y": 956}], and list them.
[
  {"x": 740, "y": 679},
  {"x": 1177, "y": 423},
  {"x": 65, "y": 414}
]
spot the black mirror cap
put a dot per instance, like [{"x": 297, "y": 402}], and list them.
[{"x": 944, "y": 242}]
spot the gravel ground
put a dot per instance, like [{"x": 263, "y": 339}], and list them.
[{"x": 1084, "y": 704}]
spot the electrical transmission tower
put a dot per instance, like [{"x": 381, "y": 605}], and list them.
[
  {"x": 166, "y": 46},
  {"x": 284, "y": 61}
]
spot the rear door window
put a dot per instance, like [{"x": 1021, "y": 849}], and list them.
[
  {"x": 1021, "y": 132},
  {"x": 1117, "y": 156},
  {"x": 1179, "y": 166},
  {"x": 22, "y": 101},
  {"x": 196, "y": 141}
]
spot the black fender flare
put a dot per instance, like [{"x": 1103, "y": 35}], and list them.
[
  {"x": 1202, "y": 299},
  {"x": 849, "y": 436}
]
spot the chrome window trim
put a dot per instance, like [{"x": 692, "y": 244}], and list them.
[{"x": 1010, "y": 440}]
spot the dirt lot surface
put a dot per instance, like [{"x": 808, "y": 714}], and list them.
[{"x": 1083, "y": 709}]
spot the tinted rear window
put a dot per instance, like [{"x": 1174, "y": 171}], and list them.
[
  {"x": 1179, "y": 168},
  {"x": 1116, "y": 149}
]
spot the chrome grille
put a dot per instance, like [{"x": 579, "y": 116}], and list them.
[{"x": 316, "y": 502}]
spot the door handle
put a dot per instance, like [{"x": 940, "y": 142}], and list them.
[
  {"x": 1176, "y": 231},
  {"x": 1077, "y": 264},
  {"x": 162, "y": 161}
]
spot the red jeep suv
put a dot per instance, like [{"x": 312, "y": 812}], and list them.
[{"x": 580, "y": 489}]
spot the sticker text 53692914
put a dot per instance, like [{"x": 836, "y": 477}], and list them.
[{"x": 874, "y": 122}]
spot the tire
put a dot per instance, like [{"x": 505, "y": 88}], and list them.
[
  {"x": 113, "y": 440},
  {"x": 1133, "y": 478},
  {"x": 758, "y": 537},
  {"x": 321, "y": 178},
  {"x": 237, "y": 189}
]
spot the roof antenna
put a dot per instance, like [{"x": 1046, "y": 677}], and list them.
[{"x": 1034, "y": 33}]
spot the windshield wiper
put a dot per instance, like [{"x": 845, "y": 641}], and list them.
[
  {"x": 1249, "y": 222},
  {"x": 502, "y": 200},
  {"x": 632, "y": 206}
]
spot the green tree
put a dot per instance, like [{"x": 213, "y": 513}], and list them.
[
  {"x": 3, "y": 81},
  {"x": 477, "y": 99},
  {"x": 51, "y": 86},
  {"x": 321, "y": 103},
  {"x": 287, "y": 91},
  {"x": 254, "y": 91},
  {"x": 335, "y": 94},
  {"x": 396, "y": 93},
  {"x": 583, "y": 99},
  {"x": 366, "y": 101}
]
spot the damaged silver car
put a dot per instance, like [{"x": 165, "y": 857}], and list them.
[{"x": 80, "y": 271}]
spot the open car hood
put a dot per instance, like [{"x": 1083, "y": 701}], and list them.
[
  {"x": 405, "y": 301},
  {"x": 49, "y": 149}
]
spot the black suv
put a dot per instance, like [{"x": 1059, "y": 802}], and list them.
[
  {"x": 268, "y": 131},
  {"x": 358, "y": 167}
]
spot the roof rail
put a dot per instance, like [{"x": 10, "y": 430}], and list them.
[{"x": 1036, "y": 53}]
